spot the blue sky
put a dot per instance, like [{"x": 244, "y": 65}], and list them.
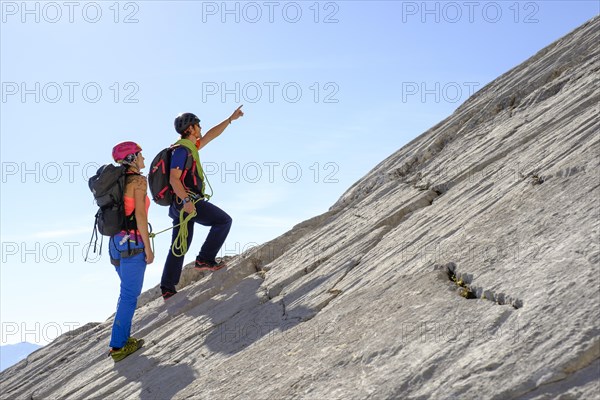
[{"x": 329, "y": 90}]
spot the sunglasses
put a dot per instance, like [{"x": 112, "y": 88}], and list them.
[{"x": 131, "y": 157}]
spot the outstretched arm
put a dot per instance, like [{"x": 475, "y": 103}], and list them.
[{"x": 217, "y": 130}]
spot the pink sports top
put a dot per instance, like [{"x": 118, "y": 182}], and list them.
[
  {"x": 130, "y": 204},
  {"x": 130, "y": 207}
]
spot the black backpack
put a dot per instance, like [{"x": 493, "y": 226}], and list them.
[
  {"x": 158, "y": 177},
  {"x": 108, "y": 187}
]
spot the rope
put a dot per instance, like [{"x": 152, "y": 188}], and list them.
[
  {"x": 180, "y": 242},
  {"x": 194, "y": 151},
  {"x": 205, "y": 178}
]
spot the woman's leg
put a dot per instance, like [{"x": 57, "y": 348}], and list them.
[{"x": 131, "y": 271}]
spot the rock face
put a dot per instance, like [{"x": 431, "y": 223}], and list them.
[{"x": 464, "y": 266}]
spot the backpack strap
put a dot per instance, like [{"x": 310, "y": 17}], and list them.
[
  {"x": 94, "y": 235},
  {"x": 188, "y": 167},
  {"x": 194, "y": 152}
]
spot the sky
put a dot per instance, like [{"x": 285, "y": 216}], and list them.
[{"x": 329, "y": 89}]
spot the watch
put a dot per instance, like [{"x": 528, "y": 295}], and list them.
[{"x": 186, "y": 200}]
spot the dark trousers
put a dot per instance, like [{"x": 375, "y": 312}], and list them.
[{"x": 207, "y": 214}]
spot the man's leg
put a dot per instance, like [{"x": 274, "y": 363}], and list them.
[
  {"x": 220, "y": 223},
  {"x": 174, "y": 264}
]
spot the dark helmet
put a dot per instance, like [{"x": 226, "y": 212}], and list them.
[{"x": 184, "y": 120}]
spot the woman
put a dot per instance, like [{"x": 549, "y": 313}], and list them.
[{"x": 130, "y": 249}]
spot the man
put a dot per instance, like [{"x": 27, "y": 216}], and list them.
[{"x": 187, "y": 181}]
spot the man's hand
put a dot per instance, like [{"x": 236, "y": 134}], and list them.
[
  {"x": 189, "y": 207},
  {"x": 217, "y": 130},
  {"x": 237, "y": 113}
]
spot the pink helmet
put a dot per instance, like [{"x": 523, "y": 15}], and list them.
[{"x": 125, "y": 151}]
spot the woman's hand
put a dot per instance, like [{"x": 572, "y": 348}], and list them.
[{"x": 149, "y": 255}]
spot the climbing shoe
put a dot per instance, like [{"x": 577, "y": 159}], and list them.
[
  {"x": 130, "y": 347},
  {"x": 202, "y": 265}
]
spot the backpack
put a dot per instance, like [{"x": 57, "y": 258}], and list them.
[
  {"x": 158, "y": 177},
  {"x": 108, "y": 187}
]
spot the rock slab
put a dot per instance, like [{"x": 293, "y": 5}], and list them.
[{"x": 464, "y": 266}]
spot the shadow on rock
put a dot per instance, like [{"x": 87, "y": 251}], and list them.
[
  {"x": 157, "y": 381},
  {"x": 244, "y": 314}
]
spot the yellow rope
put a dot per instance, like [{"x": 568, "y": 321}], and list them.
[{"x": 180, "y": 242}]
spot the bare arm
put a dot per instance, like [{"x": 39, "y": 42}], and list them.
[
  {"x": 217, "y": 130},
  {"x": 175, "y": 181},
  {"x": 140, "y": 188}
]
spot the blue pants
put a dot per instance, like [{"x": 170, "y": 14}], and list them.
[
  {"x": 131, "y": 272},
  {"x": 207, "y": 214}
]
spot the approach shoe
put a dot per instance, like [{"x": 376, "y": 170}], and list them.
[
  {"x": 202, "y": 265},
  {"x": 130, "y": 347},
  {"x": 167, "y": 294}
]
